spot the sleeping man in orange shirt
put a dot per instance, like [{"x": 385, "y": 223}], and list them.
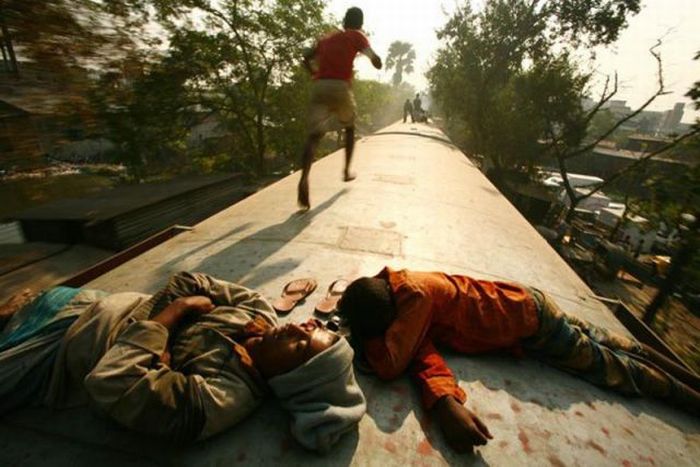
[{"x": 398, "y": 317}]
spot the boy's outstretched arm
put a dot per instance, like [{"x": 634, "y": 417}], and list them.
[
  {"x": 462, "y": 428},
  {"x": 444, "y": 398},
  {"x": 373, "y": 57}
]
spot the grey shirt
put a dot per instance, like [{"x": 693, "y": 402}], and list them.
[{"x": 110, "y": 358}]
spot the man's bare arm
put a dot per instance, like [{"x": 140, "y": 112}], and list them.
[
  {"x": 462, "y": 428},
  {"x": 374, "y": 58}
]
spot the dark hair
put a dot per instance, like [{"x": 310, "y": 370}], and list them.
[
  {"x": 367, "y": 307},
  {"x": 353, "y": 18}
]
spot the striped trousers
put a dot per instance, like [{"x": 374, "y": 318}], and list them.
[{"x": 602, "y": 358}]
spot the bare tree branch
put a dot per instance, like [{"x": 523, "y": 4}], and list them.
[
  {"x": 659, "y": 92},
  {"x": 604, "y": 98}
]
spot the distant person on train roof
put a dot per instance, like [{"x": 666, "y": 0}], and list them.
[
  {"x": 184, "y": 364},
  {"x": 332, "y": 103},
  {"x": 397, "y": 318},
  {"x": 417, "y": 104},
  {"x": 408, "y": 110}
]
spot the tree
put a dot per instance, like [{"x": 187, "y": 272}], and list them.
[
  {"x": 379, "y": 104},
  {"x": 507, "y": 74},
  {"x": 400, "y": 58},
  {"x": 563, "y": 151},
  {"x": 503, "y": 72},
  {"x": 235, "y": 59},
  {"x": 64, "y": 34},
  {"x": 681, "y": 196}
]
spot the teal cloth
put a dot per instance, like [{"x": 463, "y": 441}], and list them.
[{"x": 40, "y": 316}]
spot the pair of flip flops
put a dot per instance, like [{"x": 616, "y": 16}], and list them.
[{"x": 297, "y": 290}]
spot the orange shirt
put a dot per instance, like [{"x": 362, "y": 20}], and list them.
[
  {"x": 336, "y": 52},
  {"x": 464, "y": 314}
]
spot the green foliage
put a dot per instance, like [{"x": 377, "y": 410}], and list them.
[
  {"x": 63, "y": 34},
  {"x": 400, "y": 58},
  {"x": 502, "y": 76},
  {"x": 594, "y": 22},
  {"x": 601, "y": 122},
  {"x": 379, "y": 104},
  {"x": 147, "y": 117},
  {"x": 694, "y": 94},
  {"x": 230, "y": 60}
]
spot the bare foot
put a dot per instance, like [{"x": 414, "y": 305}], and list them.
[
  {"x": 303, "y": 195},
  {"x": 349, "y": 176},
  {"x": 15, "y": 303}
]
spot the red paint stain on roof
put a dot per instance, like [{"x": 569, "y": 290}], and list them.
[
  {"x": 391, "y": 447},
  {"x": 578, "y": 413},
  {"x": 494, "y": 416},
  {"x": 648, "y": 459},
  {"x": 597, "y": 447},
  {"x": 555, "y": 461},
  {"x": 516, "y": 407},
  {"x": 525, "y": 441},
  {"x": 425, "y": 448},
  {"x": 606, "y": 431},
  {"x": 626, "y": 463}
]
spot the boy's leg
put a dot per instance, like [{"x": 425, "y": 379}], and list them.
[
  {"x": 563, "y": 344},
  {"x": 320, "y": 110},
  {"x": 307, "y": 159},
  {"x": 645, "y": 352},
  {"x": 349, "y": 148}
]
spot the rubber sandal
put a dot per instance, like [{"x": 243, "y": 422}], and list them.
[
  {"x": 329, "y": 304},
  {"x": 293, "y": 293}
]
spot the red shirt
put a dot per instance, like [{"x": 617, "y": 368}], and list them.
[
  {"x": 464, "y": 314},
  {"x": 336, "y": 52}
]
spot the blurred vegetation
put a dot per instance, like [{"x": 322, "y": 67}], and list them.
[
  {"x": 189, "y": 85},
  {"x": 510, "y": 83},
  {"x": 400, "y": 58},
  {"x": 507, "y": 76}
]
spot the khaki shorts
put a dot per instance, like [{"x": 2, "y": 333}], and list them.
[{"x": 332, "y": 106}]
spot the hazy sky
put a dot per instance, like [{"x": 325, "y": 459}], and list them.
[{"x": 415, "y": 21}]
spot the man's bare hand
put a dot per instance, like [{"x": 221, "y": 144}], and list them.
[
  {"x": 172, "y": 314},
  {"x": 461, "y": 427},
  {"x": 198, "y": 304}
]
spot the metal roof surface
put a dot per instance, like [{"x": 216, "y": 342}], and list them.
[{"x": 417, "y": 203}]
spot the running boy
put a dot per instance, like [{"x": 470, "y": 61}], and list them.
[{"x": 331, "y": 94}]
